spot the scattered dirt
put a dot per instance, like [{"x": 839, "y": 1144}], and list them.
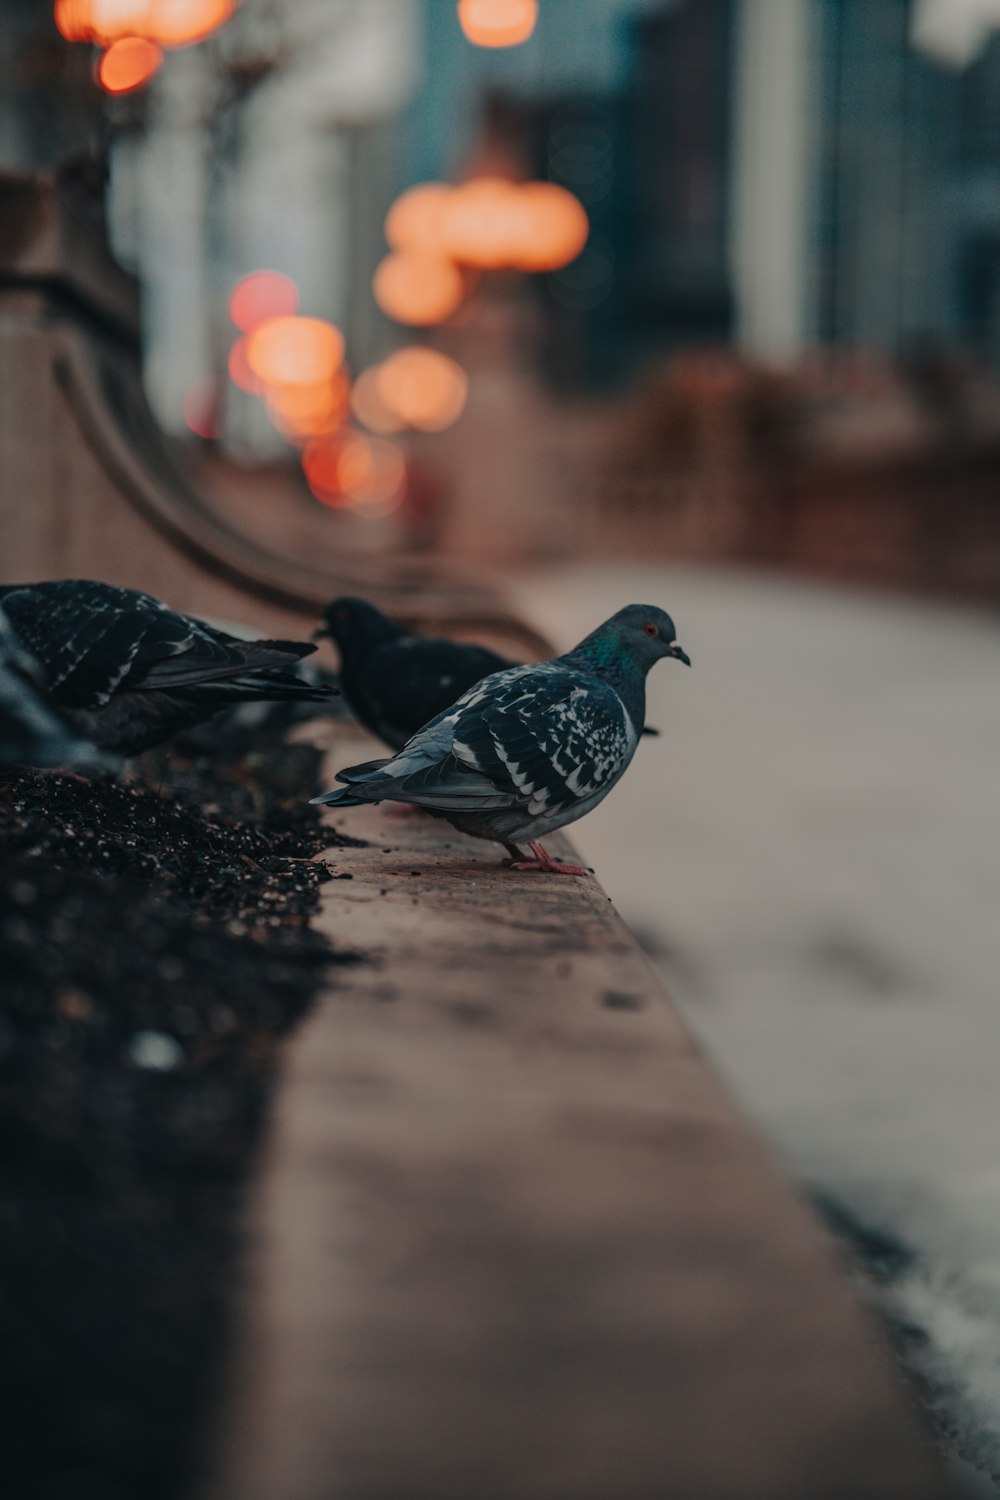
[{"x": 154, "y": 949}]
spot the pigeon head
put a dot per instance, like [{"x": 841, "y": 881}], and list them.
[
  {"x": 639, "y": 634},
  {"x": 354, "y": 624}
]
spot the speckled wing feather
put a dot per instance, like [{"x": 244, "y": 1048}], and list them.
[
  {"x": 538, "y": 738},
  {"x": 93, "y": 639}
]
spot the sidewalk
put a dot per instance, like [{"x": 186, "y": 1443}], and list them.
[{"x": 811, "y": 854}]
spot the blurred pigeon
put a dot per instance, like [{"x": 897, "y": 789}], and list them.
[
  {"x": 126, "y": 672},
  {"x": 529, "y": 749},
  {"x": 30, "y": 732},
  {"x": 395, "y": 682}
]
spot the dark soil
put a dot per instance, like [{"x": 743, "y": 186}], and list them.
[{"x": 154, "y": 949}]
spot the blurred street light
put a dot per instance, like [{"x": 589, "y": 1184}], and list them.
[
  {"x": 497, "y": 23},
  {"x": 368, "y": 406},
  {"x": 353, "y": 472},
  {"x": 416, "y": 288},
  {"x": 490, "y": 223},
  {"x": 262, "y": 295},
  {"x": 424, "y": 388},
  {"x": 416, "y": 219},
  {"x": 295, "y": 351},
  {"x": 128, "y": 64}
]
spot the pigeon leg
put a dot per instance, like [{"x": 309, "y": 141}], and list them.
[
  {"x": 545, "y": 863},
  {"x": 402, "y": 809}
]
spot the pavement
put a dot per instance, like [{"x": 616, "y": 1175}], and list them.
[{"x": 810, "y": 853}]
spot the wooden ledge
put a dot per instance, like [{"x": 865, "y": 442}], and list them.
[{"x": 513, "y": 1243}]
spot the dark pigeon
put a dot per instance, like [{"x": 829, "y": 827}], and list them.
[
  {"x": 31, "y": 733},
  {"x": 529, "y": 749},
  {"x": 395, "y": 682},
  {"x": 126, "y": 672}
]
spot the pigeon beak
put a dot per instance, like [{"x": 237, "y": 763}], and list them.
[
  {"x": 679, "y": 654},
  {"x": 321, "y": 633}
]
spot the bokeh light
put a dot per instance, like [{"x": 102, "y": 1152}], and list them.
[
  {"x": 351, "y": 471},
  {"x": 424, "y": 388},
  {"x": 168, "y": 23},
  {"x": 416, "y": 219},
  {"x": 553, "y": 227},
  {"x": 417, "y": 289},
  {"x": 201, "y": 407},
  {"x": 368, "y": 406},
  {"x": 240, "y": 372},
  {"x": 497, "y": 23},
  {"x": 484, "y": 225},
  {"x": 181, "y": 23},
  {"x": 262, "y": 295},
  {"x": 295, "y": 351},
  {"x": 128, "y": 64},
  {"x": 73, "y": 20},
  {"x": 302, "y": 412}
]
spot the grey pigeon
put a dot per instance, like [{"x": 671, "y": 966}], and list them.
[
  {"x": 396, "y": 682},
  {"x": 529, "y": 749},
  {"x": 126, "y": 672},
  {"x": 30, "y": 733}
]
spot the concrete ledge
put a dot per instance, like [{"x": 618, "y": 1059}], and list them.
[{"x": 512, "y": 1242}]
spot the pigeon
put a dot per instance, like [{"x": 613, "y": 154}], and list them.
[
  {"x": 31, "y": 734},
  {"x": 529, "y": 749},
  {"x": 126, "y": 672},
  {"x": 395, "y": 682}
]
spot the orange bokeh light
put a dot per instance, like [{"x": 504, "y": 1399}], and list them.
[
  {"x": 484, "y": 224},
  {"x": 554, "y": 227},
  {"x": 295, "y": 351},
  {"x": 302, "y": 412},
  {"x": 355, "y": 472},
  {"x": 240, "y": 372},
  {"x": 497, "y": 23},
  {"x": 128, "y": 64},
  {"x": 417, "y": 289},
  {"x": 423, "y": 387},
  {"x": 180, "y": 23},
  {"x": 416, "y": 219},
  {"x": 262, "y": 295},
  {"x": 368, "y": 406},
  {"x": 169, "y": 23},
  {"x": 74, "y": 21}
]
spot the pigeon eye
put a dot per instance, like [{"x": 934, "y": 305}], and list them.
[
  {"x": 650, "y": 630},
  {"x": 342, "y": 614}
]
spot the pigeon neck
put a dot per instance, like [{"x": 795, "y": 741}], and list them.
[{"x": 603, "y": 657}]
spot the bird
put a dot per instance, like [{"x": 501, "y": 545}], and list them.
[
  {"x": 31, "y": 734},
  {"x": 393, "y": 681},
  {"x": 126, "y": 672},
  {"x": 529, "y": 749}
]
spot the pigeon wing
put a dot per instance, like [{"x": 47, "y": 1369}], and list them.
[{"x": 552, "y": 738}]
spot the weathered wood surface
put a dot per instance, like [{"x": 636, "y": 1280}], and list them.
[{"x": 513, "y": 1243}]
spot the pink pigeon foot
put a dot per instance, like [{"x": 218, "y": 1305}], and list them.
[
  {"x": 545, "y": 863},
  {"x": 402, "y": 809}
]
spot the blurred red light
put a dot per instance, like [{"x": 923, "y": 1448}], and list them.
[
  {"x": 262, "y": 295},
  {"x": 128, "y": 64},
  {"x": 240, "y": 372},
  {"x": 201, "y": 407}
]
